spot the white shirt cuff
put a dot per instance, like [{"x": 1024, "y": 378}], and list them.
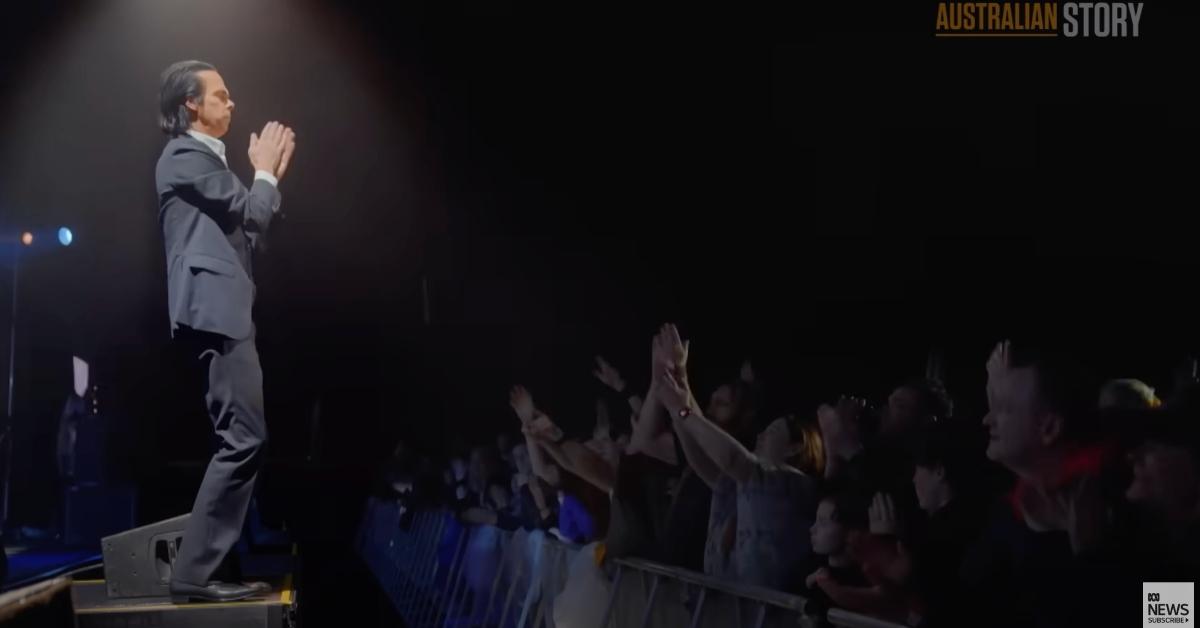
[{"x": 266, "y": 176}]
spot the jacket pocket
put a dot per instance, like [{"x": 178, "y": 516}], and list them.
[{"x": 198, "y": 261}]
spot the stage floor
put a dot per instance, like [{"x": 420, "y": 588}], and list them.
[{"x": 93, "y": 608}]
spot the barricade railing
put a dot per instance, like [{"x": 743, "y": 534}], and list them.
[
  {"x": 439, "y": 573},
  {"x": 846, "y": 619},
  {"x": 752, "y": 606}
]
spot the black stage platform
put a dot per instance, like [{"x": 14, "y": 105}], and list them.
[{"x": 93, "y": 609}]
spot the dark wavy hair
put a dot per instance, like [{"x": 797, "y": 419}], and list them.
[{"x": 180, "y": 84}]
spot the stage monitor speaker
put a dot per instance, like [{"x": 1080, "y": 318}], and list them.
[{"x": 138, "y": 562}]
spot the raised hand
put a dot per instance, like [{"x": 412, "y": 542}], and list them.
[
  {"x": 608, "y": 375},
  {"x": 671, "y": 352},
  {"x": 882, "y": 515},
  {"x": 542, "y": 429},
  {"x": 670, "y": 369},
  {"x": 266, "y": 150},
  {"x": 522, "y": 404},
  {"x": 289, "y": 147}
]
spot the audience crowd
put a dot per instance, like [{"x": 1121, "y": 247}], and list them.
[{"x": 1048, "y": 510}]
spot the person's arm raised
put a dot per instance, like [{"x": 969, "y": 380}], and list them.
[
  {"x": 649, "y": 434},
  {"x": 697, "y": 459},
  {"x": 199, "y": 178},
  {"x": 576, "y": 458},
  {"x": 539, "y": 497},
  {"x": 722, "y": 449}
]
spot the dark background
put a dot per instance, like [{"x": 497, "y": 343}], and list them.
[{"x": 823, "y": 187}]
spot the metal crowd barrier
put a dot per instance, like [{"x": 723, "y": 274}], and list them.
[
  {"x": 846, "y": 619},
  {"x": 441, "y": 574}
]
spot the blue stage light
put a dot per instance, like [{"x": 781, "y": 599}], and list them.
[{"x": 64, "y": 236}]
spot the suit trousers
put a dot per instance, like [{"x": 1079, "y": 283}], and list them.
[{"x": 234, "y": 397}]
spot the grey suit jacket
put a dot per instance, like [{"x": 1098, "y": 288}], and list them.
[{"x": 210, "y": 224}]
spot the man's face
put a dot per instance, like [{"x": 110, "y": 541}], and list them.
[
  {"x": 214, "y": 111},
  {"x": 1017, "y": 426}
]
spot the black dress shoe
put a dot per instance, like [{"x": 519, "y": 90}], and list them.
[
  {"x": 216, "y": 591},
  {"x": 259, "y": 587}
]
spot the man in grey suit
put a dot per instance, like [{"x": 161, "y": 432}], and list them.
[{"x": 211, "y": 223}]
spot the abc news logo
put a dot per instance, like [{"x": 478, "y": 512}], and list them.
[{"x": 1169, "y": 609}]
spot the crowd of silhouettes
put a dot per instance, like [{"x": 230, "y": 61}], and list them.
[{"x": 1047, "y": 510}]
